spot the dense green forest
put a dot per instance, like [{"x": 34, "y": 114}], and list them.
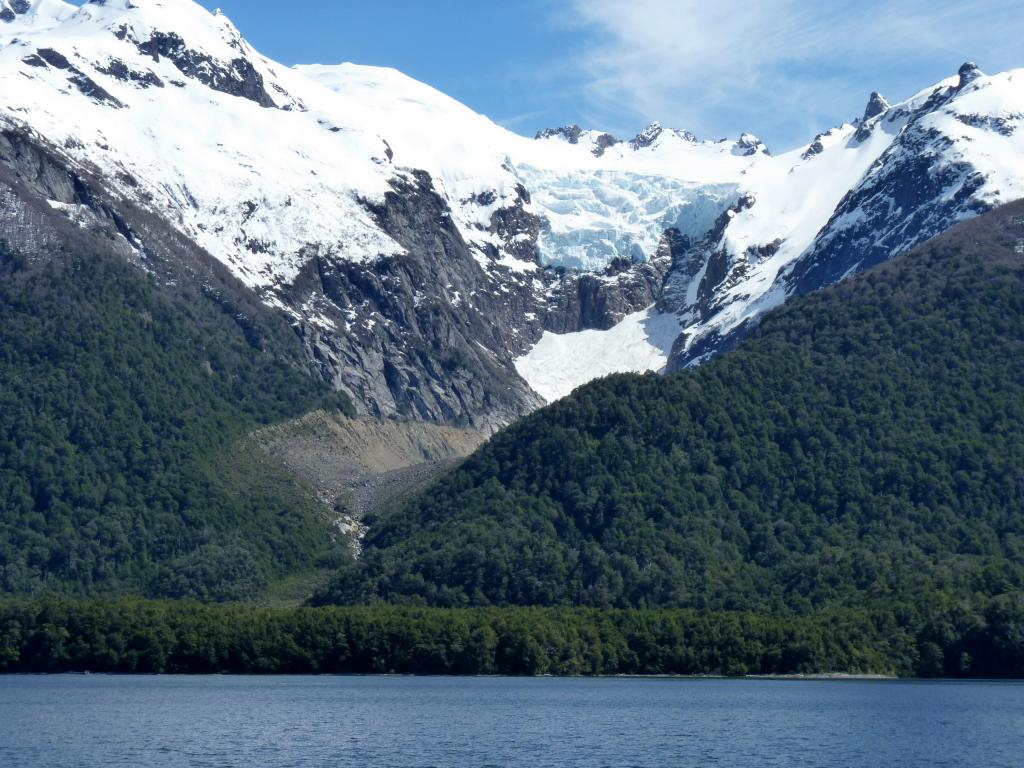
[
  {"x": 865, "y": 444},
  {"x": 845, "y": 492},
  {"x": 186, "y": 637},
  {"x": 122, "y": 401}
]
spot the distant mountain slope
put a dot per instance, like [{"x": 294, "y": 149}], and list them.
[
  {"x": 429, "y": 259},
  {"x": 866, "y": 443}
]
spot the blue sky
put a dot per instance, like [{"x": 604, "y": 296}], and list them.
[{"x": 783, "y": 69}]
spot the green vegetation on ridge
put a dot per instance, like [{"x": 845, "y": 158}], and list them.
[
  {"x": 865, "y": 444},
  {"x": 122, "y": 406}
]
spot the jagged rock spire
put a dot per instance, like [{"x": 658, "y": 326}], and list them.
[
  {"x": 969, "y": 72},
  {"x": 877, "y": 105}
]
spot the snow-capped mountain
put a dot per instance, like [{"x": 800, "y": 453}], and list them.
[
  {"x": 857, "y": 195},
  {"x": 436, "y": 265}
]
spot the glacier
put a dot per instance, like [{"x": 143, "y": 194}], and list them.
[{"x": 594, "y": 218}]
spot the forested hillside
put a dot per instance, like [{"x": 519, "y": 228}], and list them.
[
  {"x": 867, "y": 443},
  {"x": 122, "y": 401}
]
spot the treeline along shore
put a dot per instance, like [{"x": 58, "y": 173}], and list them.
[{"x": 138, "y": 636}]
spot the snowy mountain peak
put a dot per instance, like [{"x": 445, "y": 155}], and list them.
[
  {"x": 202, "y": 46},
  {"x": 877, "y": 105},
  {"x": 570, "y": 133},
  {"x": 135, "y": 21},
  {"x": 880, "y": 186},
  {"x": 748, "y": 144},
  {"x": 969, "y": 72},
  {"x": 647, "y": 136},
  {"x": 598, "y": 142},
  {"x": 151, "y": 6},
  {"x": 202, "y": 29}
]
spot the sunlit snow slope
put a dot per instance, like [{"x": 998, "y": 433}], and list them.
[{"x": 561, "y": 362}]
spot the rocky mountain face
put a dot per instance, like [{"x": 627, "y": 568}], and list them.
[
  {"x": 421, "y": 253},
  {"x": 928, "y": 177},
  {"x": 895, "y": 178}
]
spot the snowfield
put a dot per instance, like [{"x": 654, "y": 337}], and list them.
[{"x": 560, "y": 363}]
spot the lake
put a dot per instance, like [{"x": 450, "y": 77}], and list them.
[{"x": 252, "y": 722}]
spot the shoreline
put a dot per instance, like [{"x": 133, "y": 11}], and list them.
[{"x": 805, "y": 677}]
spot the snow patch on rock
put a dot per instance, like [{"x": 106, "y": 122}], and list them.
[{"x": 560, "y": 363}]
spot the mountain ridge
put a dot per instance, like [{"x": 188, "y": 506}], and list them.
[{"x": 423, "y": 253}]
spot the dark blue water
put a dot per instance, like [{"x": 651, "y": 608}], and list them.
[{"x": 53, "y": 722}]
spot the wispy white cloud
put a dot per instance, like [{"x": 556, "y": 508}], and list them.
[
  {"x": 778, "y": 66},
  {"x": 516, "y": 122}
]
